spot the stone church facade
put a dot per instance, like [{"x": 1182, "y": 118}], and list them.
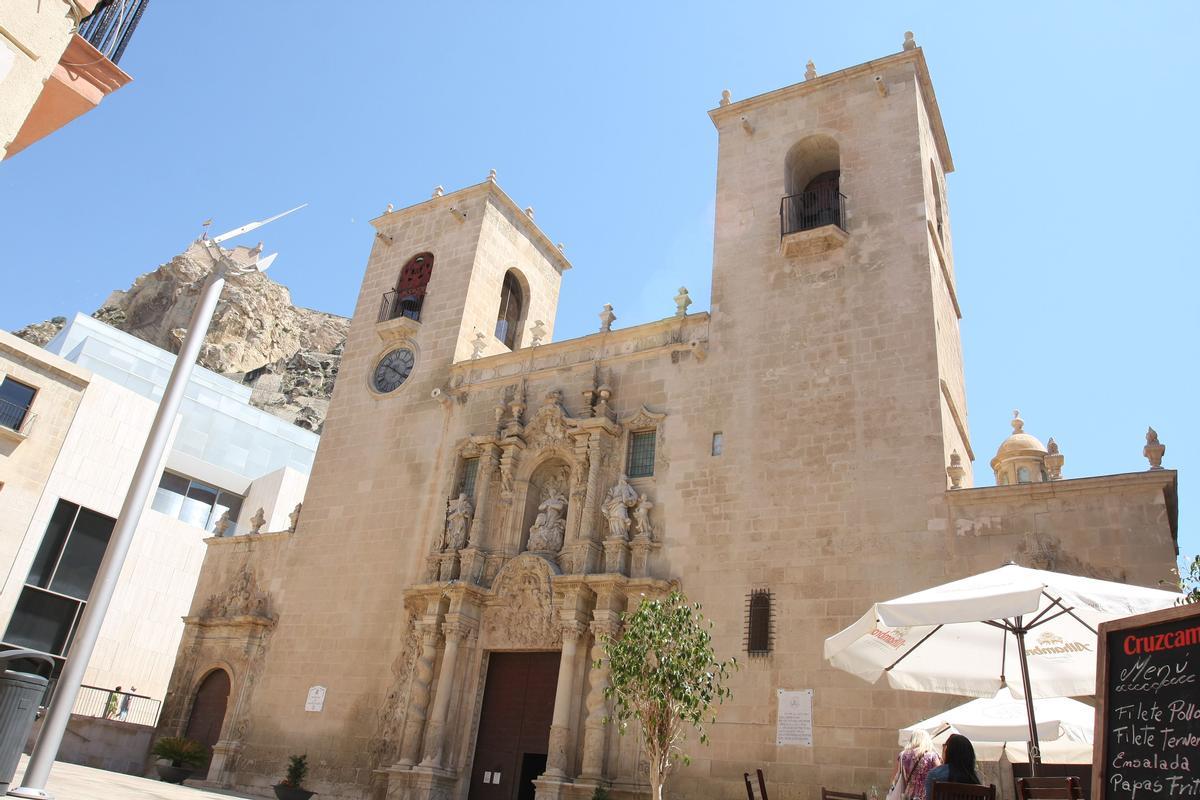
[{"x": 486, "y": 502}]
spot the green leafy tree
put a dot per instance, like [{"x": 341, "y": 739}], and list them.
[
  {"x": 666, "y": 679},
  {"x": 1188, "y": 581}
]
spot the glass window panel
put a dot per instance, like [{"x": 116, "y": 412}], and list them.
[
  {"x": 641, "y": 454},
  {"x": 41, "y": 621},
  {"x": 227, "y": 501},
  {"x": 15, "y": 399},
  {"x": 759, "y": 624},
  {"x": 197, "y": 506},
  {"x": 168, "y": 498},
  {"x": 470, "y": 470},
  {"x": 81, "y": 557},
  {"x": 52, "y": 544}
]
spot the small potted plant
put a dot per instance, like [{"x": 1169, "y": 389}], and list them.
[
  {"x": 183, "y": 756},
  {"x": 290, "y": 787}
]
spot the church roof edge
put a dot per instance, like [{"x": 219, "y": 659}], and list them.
[
  {"x": 495, "y": 193},
  {"x": 915, "y": 55}
]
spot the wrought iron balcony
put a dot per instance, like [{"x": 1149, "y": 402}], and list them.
[
  {"x": 809, "y": 210},
  {"x": 812, "y": 222},
  {"x": 394, "y": 306},
  {"x": 109, "y": 27},
  {"x": 16, "y": 421}
]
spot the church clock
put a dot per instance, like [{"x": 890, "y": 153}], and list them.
[{"x": 393, "y": 370}]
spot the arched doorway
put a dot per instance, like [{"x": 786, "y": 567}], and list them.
[{"x": 208, "y": 709}]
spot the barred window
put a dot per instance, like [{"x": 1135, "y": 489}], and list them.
[
  {"x": 759, "y": 622},
  {"x": 641, "y": 454},
  {"x": 470, "y": 468}
]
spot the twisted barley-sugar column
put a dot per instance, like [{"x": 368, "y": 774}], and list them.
[
  {"x": 577, "y": 491},
  {"x": 595, "y": 731},
  {"x": 593, "y": 487},
  {"x": 560, "y": 725},
  {"x": 418, "y": 696},
  {"x": 435, "y": 730},
  {"x": 483, "y": 494}
]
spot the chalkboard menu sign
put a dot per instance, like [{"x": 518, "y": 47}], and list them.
[{"x": 1147, "y": 741}]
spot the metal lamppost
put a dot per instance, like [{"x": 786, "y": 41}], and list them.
[{"x": 33, "y": 782}]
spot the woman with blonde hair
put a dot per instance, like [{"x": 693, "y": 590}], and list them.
[{"x": 912, "y": 766}]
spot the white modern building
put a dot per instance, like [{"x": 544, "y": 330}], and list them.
[{"x": 76, "y": 415}]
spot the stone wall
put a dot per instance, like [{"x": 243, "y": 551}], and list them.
[{"x": 106, "y": 744}]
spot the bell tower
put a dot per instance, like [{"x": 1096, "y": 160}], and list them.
[
  {"x": 832, "y": 262},
  {"x": 471, "y": 261}
]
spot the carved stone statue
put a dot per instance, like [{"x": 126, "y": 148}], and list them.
[
  {"x": 621, "y": 497},
  {"x": 641, "y": 516},
  {"x": 546, "y": 533},
  {"x": 223, "y": 525},
  {"x": 258, "y": 521},
  {"x": 1154, "y": 449},
  {"x": 458, "y": 520},
  {"x": 294, "y": 517}
]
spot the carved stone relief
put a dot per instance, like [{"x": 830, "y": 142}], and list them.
[
  {"x": 522, "y": 616},
  {"x": 242, "y": 598}
]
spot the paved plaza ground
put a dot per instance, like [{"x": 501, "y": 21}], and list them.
[{"x": 73, "y": 782}]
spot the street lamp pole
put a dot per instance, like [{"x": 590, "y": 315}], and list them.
[{"x": 33, "y": 783}]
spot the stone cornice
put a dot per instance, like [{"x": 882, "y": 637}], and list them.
[
  {"x": 673, "y": 333},
  {"x": 494, "y": 193},
  {"x": 21, "y": 350},
  {"x": 247, "y": 538},
  {"x": 986, "y": 495},
  {"x": 916, "y": 56},
  {"x": 243, "y": 621}
]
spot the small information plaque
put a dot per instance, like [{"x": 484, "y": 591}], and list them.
[
  {"x": 794, "y": 724},
  {"x": 316, "y": 699}
]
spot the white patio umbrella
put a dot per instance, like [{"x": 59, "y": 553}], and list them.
[
  {"x": 955, "y": 638},
  {"x": 1000, "y": 724}
]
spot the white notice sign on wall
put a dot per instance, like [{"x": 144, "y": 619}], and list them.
[
  {"x": 316, "y": 699},
  {"x": 794, "y": 723}
]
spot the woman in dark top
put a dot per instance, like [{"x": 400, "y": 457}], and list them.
[{"x": 958, "y": 764}]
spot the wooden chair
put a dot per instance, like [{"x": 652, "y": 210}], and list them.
[
  {"x": 944, "y": 790},
  {"x": 829, "y": 794},
  {"x": 1057, "y": 788}
]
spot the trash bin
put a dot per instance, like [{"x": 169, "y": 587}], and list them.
[{"x": 20, "y": 695}]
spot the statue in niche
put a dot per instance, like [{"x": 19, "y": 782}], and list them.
[
  {"x": 546, "y": 533},
  {"x": 458, "y": 520},
  {"x": 641, "y": 516},
  {"x": 621, "y": 498}
]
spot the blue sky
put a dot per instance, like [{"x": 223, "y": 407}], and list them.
[{"x": 1073, "y": 128}]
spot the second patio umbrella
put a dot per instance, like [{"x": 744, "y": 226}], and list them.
[{"x": 968, "y": 636}]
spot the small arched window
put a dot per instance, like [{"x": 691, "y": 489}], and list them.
[
  {"x": 1022, "y": 474},
  {"x": 512, "y": 308},
  {"x": 759, "y": 622},
  {"x": 812, "y": 186},
  {"x": 409, "y": 294}
]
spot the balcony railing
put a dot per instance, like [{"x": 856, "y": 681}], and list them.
[
  {"x": 16, "y": 417},
  {"x": 136, "y": 709},
  {"x": 393, "y": 306},
  {"x": 809, "y": 210},
  {"x": 109, "y": 27}
]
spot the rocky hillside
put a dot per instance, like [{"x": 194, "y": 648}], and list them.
[{"x": 289, "y": 355}]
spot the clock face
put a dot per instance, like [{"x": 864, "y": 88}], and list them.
[{"x": 393, "y": 370}]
